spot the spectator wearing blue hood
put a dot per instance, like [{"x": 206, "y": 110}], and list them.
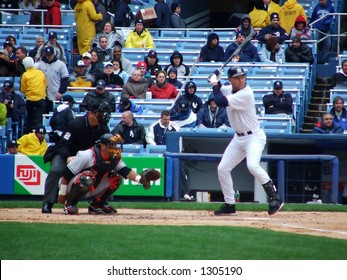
[
  {"x": 172, "y": 78},
  {"x": 194, "y": 102},
  {"x": 211, "y": 115},
  {"x": 212, "y": 51},
  {"x": 249, "y": 53}
]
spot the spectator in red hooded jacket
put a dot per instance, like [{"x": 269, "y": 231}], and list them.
[
  {"x": 300, "y": 28},
  {"x": 53, "y": 15}
]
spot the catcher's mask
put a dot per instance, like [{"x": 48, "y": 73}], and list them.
[{"x": 114, "y": 144}]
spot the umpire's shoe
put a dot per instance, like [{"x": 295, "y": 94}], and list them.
[
  {"x": 47, "y": 208},
  {"x": 226, "y": 209}
]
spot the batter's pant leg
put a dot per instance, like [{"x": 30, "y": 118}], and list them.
[
  {"x": 232, "y": 156},
  {"x": 58, "y": 165},
  {"x": 254, "y": 152}
]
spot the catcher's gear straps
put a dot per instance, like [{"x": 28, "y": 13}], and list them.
[{"x": 100, "y": 168}]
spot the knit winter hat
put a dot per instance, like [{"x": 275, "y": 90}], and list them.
[{"x": 274, "y": 15}]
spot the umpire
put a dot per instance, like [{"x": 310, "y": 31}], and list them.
[{"x": 81, "y": 134}]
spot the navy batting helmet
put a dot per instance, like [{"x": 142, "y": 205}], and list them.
[{"x": 236, "y": 71}]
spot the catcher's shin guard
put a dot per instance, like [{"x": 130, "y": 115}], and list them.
[
  {"x": 274, "y": 199},
  {"x": 77, "y": 191}
]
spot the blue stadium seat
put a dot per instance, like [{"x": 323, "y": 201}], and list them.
[
  {"x": 167, "y": 45},
  {"x": 172, "y": 34},
  {"x": 132, "y": 149},
  {"x": 201, "y": 34},
  {"x": 21, "y": 19},
  {"x": 155, "y": 149}
]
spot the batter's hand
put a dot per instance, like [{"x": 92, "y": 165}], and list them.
[{"x": 215, "y": 76}]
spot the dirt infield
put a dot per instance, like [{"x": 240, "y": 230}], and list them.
[{"x": 329, "y": 224}]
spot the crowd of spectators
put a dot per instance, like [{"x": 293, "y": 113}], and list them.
[{"x": 102, "y": 64}]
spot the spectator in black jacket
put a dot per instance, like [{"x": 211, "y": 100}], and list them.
[
  {"x": 212, "y": 51},
  {"x": 15, "y": 104},
  {"x": 194, "y": 101},
  {"x": 278, "y": 102},
  {"x": 152, "y": 62},
  {"x": 163, "y": 12},
  {"x": 98, "y": 96},
  {"x": 123, "y": 14},
  {"x": 299, "y": 52},
  {"x": 340, "y": 78},
  {"x": 40, "y": 41},
  {"x": 274, "y": 29},
  {"x": 61, "y": 117}
]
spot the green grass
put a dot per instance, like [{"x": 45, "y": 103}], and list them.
[
  {"x": 85, "y": 242},
  {"x": 120, "y": 242}
]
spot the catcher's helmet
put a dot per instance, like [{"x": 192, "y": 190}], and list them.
[
  {"x": 114, "y": 144},
  {"x": 236, "y": 71}
]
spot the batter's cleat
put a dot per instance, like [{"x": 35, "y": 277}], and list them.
[
  {"x": 226, "y": 209},
  {"x": 70, "y": 209},
  {"x": 275, "y": 205},
  {"x": 47, "y": 208},
  {"x": 105, "y": 209}
]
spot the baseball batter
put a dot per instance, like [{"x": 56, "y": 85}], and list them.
[{"x": 249, "y": 139}]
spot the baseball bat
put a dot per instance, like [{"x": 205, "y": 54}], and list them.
[{"x": 239, "y": 48}]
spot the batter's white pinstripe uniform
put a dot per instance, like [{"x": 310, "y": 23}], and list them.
[{"x": 249, "y": 141}]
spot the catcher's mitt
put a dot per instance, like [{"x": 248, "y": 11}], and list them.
[{"x": 147, "y": 176}]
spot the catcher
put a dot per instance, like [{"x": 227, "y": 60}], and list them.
[{"x": 97, "y": 173}]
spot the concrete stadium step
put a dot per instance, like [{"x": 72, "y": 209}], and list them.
[{"x": 318, "y": 107}]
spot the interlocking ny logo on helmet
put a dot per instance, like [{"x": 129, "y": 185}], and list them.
[{"x": 236, "y": 71}]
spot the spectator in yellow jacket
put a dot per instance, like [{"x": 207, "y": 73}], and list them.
[
  {"x": 290, "y": 10},
  {"x": 85, "y": 16},
  {"x": 33, "y": 143},
  {"x": 140, "y": 37},
  {"x": 259, "y": 17},
  {"x": 271, "y": 7}
]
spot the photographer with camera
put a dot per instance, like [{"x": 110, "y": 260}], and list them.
[{"x": 15, "y": 104}]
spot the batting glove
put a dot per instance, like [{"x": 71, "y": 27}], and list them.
[{"x": 212, "y": 79}]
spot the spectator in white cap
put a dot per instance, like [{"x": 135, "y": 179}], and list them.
[
  {"x": 79, "y": 77},
  {"x": 112, "y": 80},
  {"x": 33, "y": 84},
  {"x": 87, "y": 60},
  {"x": 139, "y": 37}
]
